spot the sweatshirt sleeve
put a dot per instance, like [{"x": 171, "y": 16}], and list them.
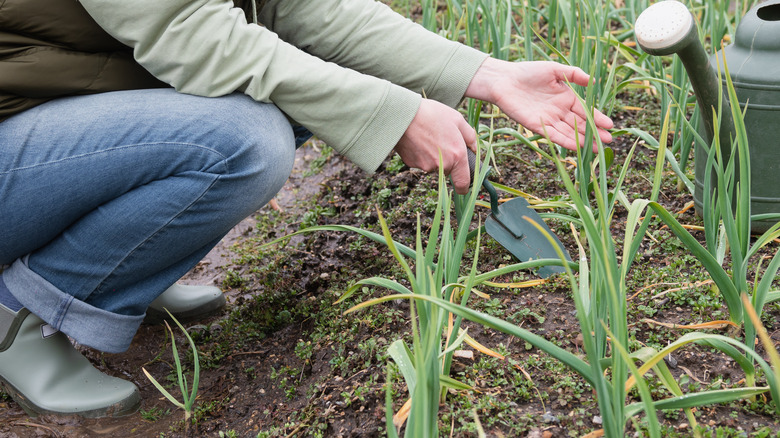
[
  {"x": 368, "y": 36},
  {"x": 206, "y": 47}
]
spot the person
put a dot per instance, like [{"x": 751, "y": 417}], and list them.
[{"x": 136, "y": 133}]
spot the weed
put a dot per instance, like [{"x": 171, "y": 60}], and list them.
[
  {"x": 395, "y": 165},
  {"x": 312, "y": 217},
  {"x": 383, "y": 197},
  {"x": 233, "y": 280},
  {"x": 318, "y": 163},
  {"x": 525, "y": 314},
  {"x": 285, "y": 378},
  {"x": 154, "y": 413}
]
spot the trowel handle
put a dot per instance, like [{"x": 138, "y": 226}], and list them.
[
  {"x": 472, "y": 165},
  {"x": 485, "y": 183}
]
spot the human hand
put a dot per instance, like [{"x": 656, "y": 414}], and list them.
[
  {"x": 438, "y": 128},
  {"x": 536, "y": 95}
]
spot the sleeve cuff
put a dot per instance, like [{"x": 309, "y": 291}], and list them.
[
  {"x": 385, "y": 128},
  {"x": 451, "y": 85}
]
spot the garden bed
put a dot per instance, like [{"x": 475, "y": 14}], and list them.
[{"x": 282, "y": 360}]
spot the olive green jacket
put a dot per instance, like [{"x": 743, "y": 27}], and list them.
[{"x": 349, "y": 70}]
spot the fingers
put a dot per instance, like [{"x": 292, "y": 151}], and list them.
[
  {"x": 563, "y": 134},
  {"x": 601, "y": 121},
  {"x": 461, "y": 175},
  {"x": 576, "y": 75},
  {"x": 459, "y": 171}
]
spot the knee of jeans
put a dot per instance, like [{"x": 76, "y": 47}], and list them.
[
  {"x": 270, "y": 169},
  {"x": 264, "y": 162}
]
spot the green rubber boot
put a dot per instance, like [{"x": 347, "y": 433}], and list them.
[
  {"x": 43, "y": 372},
  {"x": 186, "y": 303}
]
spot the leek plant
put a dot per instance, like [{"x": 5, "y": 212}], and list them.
[
  {"x": 486, "y": 24},
  {"x": 425, "y": 366}
]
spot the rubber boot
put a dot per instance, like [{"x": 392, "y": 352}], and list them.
[
  {"x": 186, "y": 303},
  {"x": 43, "y": 372}
]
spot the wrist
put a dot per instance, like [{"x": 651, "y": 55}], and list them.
[{"x": 483, "y": 83}]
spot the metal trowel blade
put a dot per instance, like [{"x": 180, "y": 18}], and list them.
[{"x": 514, "y": 232}]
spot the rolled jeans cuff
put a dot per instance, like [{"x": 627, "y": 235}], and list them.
[{"x": 88, "y": 325}]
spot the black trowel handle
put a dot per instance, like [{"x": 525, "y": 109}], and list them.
[
  {"x": 485, "y": 183},
  {"x": 472, "y": 165}
]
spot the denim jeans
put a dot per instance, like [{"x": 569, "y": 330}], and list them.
[{"x": 106, "y": 200}]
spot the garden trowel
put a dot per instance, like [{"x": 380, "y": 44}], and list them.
[{"x": 509, "y": 225}]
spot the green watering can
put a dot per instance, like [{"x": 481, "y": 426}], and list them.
[{"x": 753, "y": 59}]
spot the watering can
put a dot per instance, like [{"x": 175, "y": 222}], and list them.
[{"x": 668, "y": 27}]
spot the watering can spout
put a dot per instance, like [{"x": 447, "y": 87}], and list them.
[{"x": 668, "y": 27}]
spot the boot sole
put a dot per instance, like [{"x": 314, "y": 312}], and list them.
[{"x": 126, "y": 407}]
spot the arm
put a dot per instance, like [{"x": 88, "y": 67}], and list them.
[
  {"x": 368, "y": 36},
  {"x": 206, "y": 47}
]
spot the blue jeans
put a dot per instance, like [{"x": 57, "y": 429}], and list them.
[{"x": 106, "y": 200}]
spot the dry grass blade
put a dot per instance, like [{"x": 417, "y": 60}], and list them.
[
  {"x": 517, "y": 285},
  {"x": 687, "y": 207},
  {"x": 481, "y": 348},
  {"x": 711, "y": 325},
  {"x": 400, "y": 417},
  {"x": 683, "y": 286}
]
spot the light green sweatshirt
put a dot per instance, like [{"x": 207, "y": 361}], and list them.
[{"x": 349, "y": 70}]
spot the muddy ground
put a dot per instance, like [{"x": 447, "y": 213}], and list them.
[{"x": 283, "y": 360}]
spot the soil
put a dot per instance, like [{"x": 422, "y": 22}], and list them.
[{"x": 270, "y": 368}]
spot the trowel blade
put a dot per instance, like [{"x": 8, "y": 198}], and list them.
[{"x": 514, "y": 232}]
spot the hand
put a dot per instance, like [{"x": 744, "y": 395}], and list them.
[
  {"x": 438, "y": 128},
  {"x": 536, "y": 95}
]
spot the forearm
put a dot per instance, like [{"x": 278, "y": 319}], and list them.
[{"x": 369, "y": 37}]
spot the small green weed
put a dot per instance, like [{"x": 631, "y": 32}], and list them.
[
  {"x": 395, "y": 165},
  {"x": 318, "y": 163},
  {"x": 154, "y": 413}
]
